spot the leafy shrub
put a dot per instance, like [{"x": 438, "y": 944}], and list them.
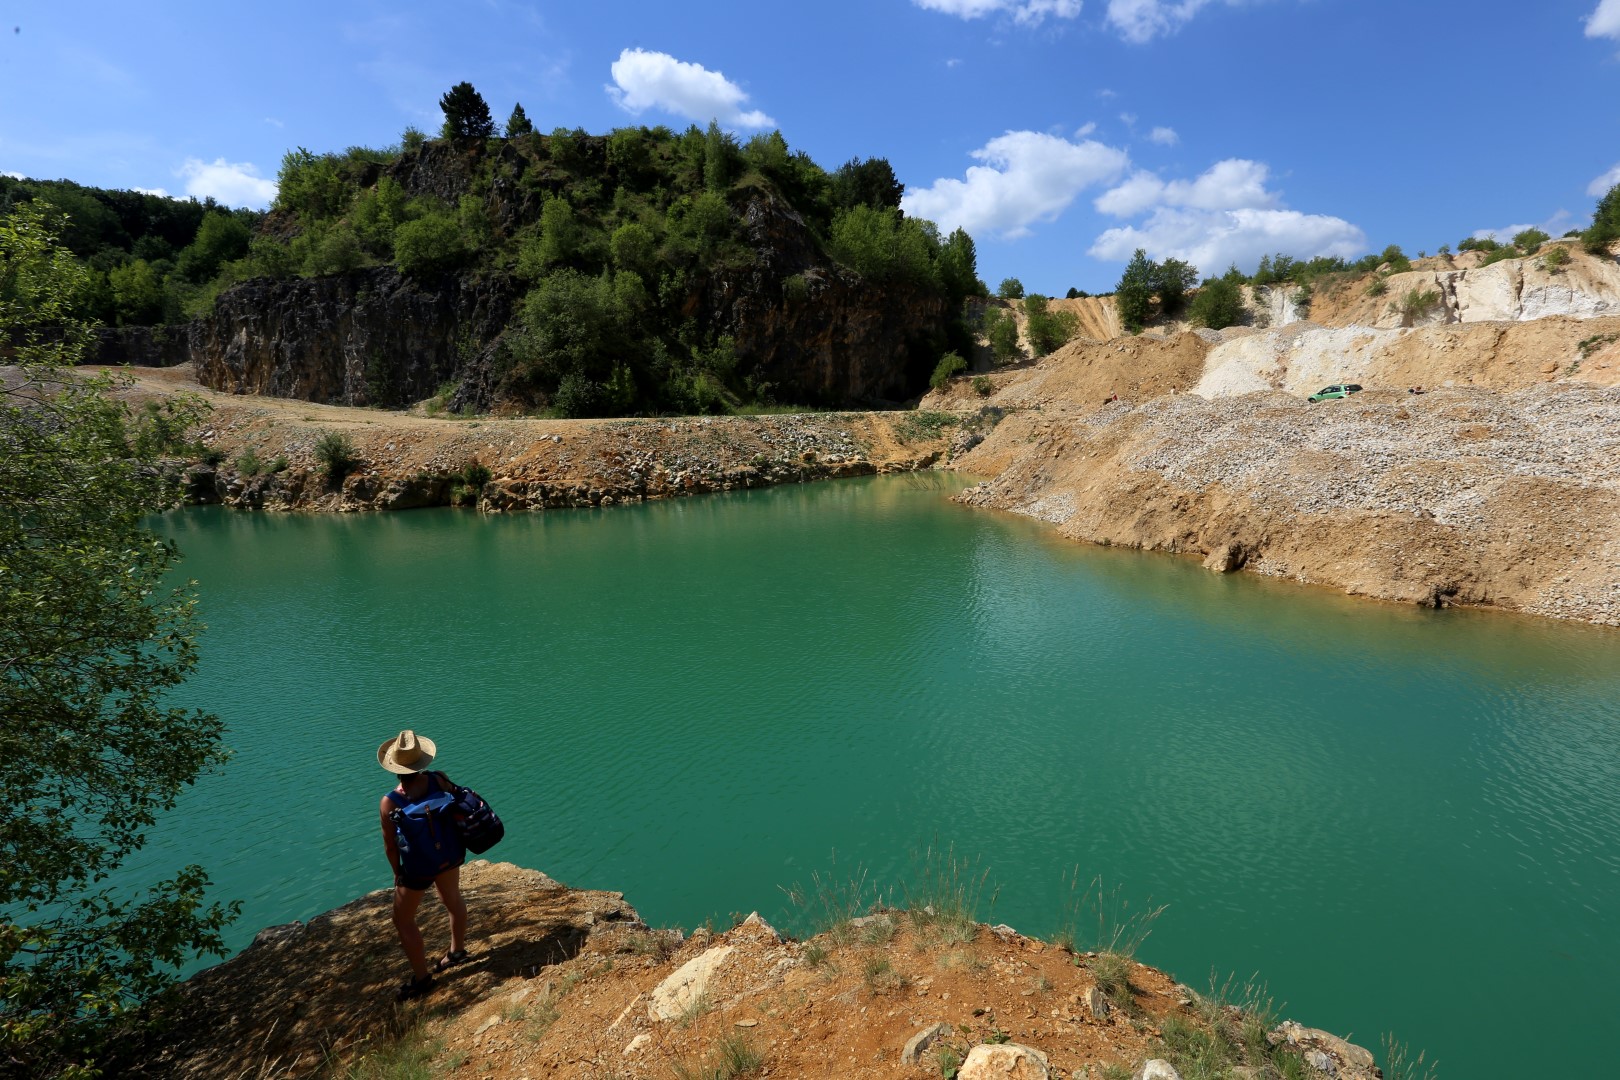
[
  {"x": 1555, "y": 260},
  {"x": 1530, "y": 240},
  {"x": 1218, "y": 304},
  {"x": 334, "y": 453},
  {"x": 982, "y": 385},
  {"x": 1377, "y": 286},
  {"x": 1047, "y": 329},
  {"x": 949, "y": 365},
  {"x": 1010, "y": 289},
  {"x": 1605, "y": 227},
  {"x": 1417, "y": 303},
  {"x": 248, "y": 463},
  {"x": 1001, "y": 329},
  {"x": 430, "y": 244}
]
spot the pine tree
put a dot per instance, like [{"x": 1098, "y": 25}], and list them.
[
  {"x": 1133, "y": 297},
  {"x": 518, "y": 123},
  {"x": 466, "y": 114}
]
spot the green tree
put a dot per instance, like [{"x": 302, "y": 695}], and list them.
[
  {"x": 1046, "y": 329},
  {"x": 1605, "y": 227},
  {"x": 1133, "y": 296},
  {"x": 1219, "y": 304},
  {"x": 1001, "y": 331},
  {"x": 949, "y": 365},
  {"x": 91, "y": 639},
  {"x": 518, "y": 123},
  {"x": 138, "y": 294},
  {"x": 466, "y": 114},
  {"x": 430, "y": 244},
  {"x": 1171, "y": 281},
  {"x": 959, "y": 268},
  {"x": 720, "y": 158},
  {"x": 221, "y": 238},
  {"x": 1010, "y": 289},
  {"x": 866, "y": 183}
]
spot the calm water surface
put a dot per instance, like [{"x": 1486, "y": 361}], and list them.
[{"x": 1407, "y": 821}]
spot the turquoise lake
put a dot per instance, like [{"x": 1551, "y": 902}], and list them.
[{"x": 1405, "y": 820}]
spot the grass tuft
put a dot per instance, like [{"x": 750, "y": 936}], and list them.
[{"x": 945, "y": 893}]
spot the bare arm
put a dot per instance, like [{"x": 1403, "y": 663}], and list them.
[{"x": 390, "y": 839}]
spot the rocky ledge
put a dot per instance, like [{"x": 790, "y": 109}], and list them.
[{"x": 572, "y": 984}]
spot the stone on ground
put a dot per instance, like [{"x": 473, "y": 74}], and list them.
[{"x": 1005, "y": 1061}]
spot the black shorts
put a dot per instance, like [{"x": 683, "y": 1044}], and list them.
[{"x": 416, "y": 884}]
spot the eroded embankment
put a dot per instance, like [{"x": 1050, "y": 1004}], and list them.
[
  {"x": 402, "y": 461},
  {"x": 1456, "y": 496},
  {"x": 571, "y": 984}
]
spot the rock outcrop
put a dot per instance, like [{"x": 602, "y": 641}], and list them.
[
  {"x": 368, "y": 337},
  {"x": 571, "y": 984}
]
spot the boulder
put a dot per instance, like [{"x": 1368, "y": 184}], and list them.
[
  {"x": 676, "y": 995},
  {"x": 1097, "y": 1003},
  {"x": 922, "y": 1042},
  {"x": 1325, "y": 1052},
  {"x": 1005, "y": 1061},
  {"x": 1157, "y": 1069}
]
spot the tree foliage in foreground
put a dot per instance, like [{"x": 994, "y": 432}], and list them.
[{"x": 90, "y": 641}]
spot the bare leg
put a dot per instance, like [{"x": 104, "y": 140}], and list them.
[
  {"x": 406, "y": 902},
  {"x": 449, "y": 886}
]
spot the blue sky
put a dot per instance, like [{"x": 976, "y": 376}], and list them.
[{"x": 1060, "y": 133}]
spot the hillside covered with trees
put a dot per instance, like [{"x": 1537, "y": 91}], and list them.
[{"x": 642, "y": 271}]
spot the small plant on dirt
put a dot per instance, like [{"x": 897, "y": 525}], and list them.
[
  {"x": 407, "y": 1055},
  {"x": 881, "y": 976},
  {"x": 334, "y": 452},
  {"x": 1115, "y": 1071},
  {"x": 924, "y": 425},
  {"x": 1040, "y": 983},
  {"x": 1555, "y": 260},
  {"x": 982, "y": 385},
  {"x": 815, "y": 954},
  {"x": 879, "y": 931},
  {"x": 211, "y": 455},
  {"x": 277, "y": 464},
  {"x": 947, "y": 1060},
  {"x": 1196, "y": 1052},
  {"x": 1590, "y": 345},
  {"x": 1417, "y": 303},
  {"x": 1112, "y": 971},
  {"x": 997, "y": 1037},
  {"x": 248, "y": 462},
  {"x": 733, "y": 1058},
  {"x": 945, "y": 892},
  {"x": 699, "y": 1006},
  {"x": 469, "y": 483},
  {"x": 1377, "y": 286},
  {"x": 658, "y": 944},
  {"x": 829, "y": 904}
]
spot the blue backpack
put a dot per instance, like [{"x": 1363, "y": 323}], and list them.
[{"x": 428, "y": 841}]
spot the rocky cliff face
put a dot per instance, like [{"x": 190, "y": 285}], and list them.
[
  {"x": 815, "y": 332},
  {"x": 370, "y": 337}
]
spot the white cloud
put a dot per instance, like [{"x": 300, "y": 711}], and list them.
[
  {"x": 954, "y": 62},
  {"x": 1600, "y": 187},
  {"x": 653, "y": 80},
  {"x": 1226, "y": 215},
  {"x": 273, "y": 122},
  {"x": 1128, "y": 119},
  {"x": 1503, "y": 235},
  {"x": 1023, "y": 12},
  {"x": 1164, "y": 136},
  {"x": 1085, "y": 129},
  {"x": 236, "y": 184},
  {"x": 1232, "y": 184},
  {"x": 1026, "y": 177},
  {"x": 14, "y": 175},
  {"x": 1605, "y": 21},
  {"x": 1141, "y": 21},
  {"x": 161, "y": 193}
]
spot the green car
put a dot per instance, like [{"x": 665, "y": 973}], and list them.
[{"x": 1337, "y": 390}]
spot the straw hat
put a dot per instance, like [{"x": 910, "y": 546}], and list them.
[{"x": 406, "y": 753}]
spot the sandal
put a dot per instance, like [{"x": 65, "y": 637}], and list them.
[
  {"x": 414, "y": 988},
  {"x": 450, "y": 960}
]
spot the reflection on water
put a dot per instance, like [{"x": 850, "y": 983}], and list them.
[{"x": 1400, "y": 817}]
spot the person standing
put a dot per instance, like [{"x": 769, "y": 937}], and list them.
[{"x": 424, "y": 849}]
